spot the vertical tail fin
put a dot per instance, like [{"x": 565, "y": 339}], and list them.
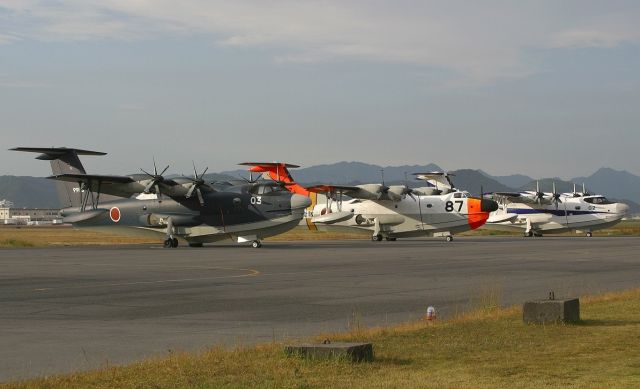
[
  {"x": 63, "y": 161},
  {"x": 278, "y": 171}
]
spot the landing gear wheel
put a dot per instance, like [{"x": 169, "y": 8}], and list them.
[
  {"x": 376, "y": 238},
  {"x": 174, "y": 242},
  {"x": 256, "y": 244},
  {"x": 449, "y": 238},
  {"x": 195, "y": 244},
  {"x": 168, "y": 243},
  {"x": 390, "y": 239},
  {"x": 589, "y": 234},
  {"x": 538, "y": 235},
  {"x": 528, "y": 234}
]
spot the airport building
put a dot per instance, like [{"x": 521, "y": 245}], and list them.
[{"x": 27, "y": 216}]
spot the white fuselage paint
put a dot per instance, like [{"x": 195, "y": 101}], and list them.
[{"x": 409, "y": 217}]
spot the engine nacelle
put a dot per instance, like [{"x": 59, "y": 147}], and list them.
[
  {"x": 397, "y": 192},
  {"x": 370, "y": 191}
]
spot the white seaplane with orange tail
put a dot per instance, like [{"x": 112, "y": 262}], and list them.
[{"x": 389, "y": 212}]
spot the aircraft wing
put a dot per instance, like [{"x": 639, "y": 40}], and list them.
[
  {"x": 513, "y": 195},
  {"x": 350, "y": 191},
  {"x": 362, "y": 192},
  {"x": 521, "y": 197},
  {"x": 104, "y": 184}
]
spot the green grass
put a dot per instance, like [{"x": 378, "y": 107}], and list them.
[{"x": 489, "y": 347}]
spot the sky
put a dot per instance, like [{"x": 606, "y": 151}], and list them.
[{"x": 543, "y": 88}]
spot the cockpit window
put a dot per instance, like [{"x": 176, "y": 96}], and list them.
[
  {"x": 265, "y": 190},
  {"x": 460, "y": 195},
  {"x": 598, "y": 200}
]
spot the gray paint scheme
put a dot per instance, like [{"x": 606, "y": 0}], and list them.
[{"x": 250, "y": 211}]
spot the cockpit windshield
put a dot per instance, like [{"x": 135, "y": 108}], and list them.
[
  {"x": 265, "y": 189},
  {"x": 597, "y": 200}
]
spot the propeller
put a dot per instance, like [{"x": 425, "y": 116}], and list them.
[
  {"x": 575, "y": 194},
  {"x": 538, "y": 196},
  {"x": 196, "y": 183},
  {"x": 398, "y": 191},
  {"x": 155, "y": 178},
  {"x": 555, "y": 196}
]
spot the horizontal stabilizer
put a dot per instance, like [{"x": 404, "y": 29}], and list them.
[
  {"x": 269, "y": 164},
  {"x": 51, "y": 153},
  {"x": 86, "y": 178}
]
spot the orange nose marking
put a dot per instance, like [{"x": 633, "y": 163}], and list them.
[{"x": 476, "y": 218}]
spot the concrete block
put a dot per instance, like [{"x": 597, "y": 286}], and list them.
[
  {"x": 356, "y": 352},
  {"x": 551, "y": 311}
]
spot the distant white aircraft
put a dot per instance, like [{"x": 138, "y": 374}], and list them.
[{"x": 537, "y": 213}]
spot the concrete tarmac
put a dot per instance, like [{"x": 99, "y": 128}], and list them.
[{"x": 68, "y": 309}]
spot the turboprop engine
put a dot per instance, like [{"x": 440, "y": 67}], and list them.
[
  {"x": 371, "y": 191},
  {"x": 383, "y": 192},
  {"x": 398, "y": 192}
]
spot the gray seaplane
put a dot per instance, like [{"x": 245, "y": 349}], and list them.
[{"x": 182, "y": 207}]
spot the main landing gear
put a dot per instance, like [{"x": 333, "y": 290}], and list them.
[
  {"x": 171, "y": 243},
  {"x": 378, "y": 238},
  {"x": 449, "y": 238},
  {"x": 589, "y": 234},
  {"x": 256, "y": 244}
]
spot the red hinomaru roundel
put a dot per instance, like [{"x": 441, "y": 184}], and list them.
[{"x": 114, "y": 213}]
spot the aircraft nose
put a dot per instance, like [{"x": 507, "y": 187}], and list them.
[
  {"x": 622, "y": 208},
  {"x": 299, "y": 201},
  {"x": 488, "y": 205}
]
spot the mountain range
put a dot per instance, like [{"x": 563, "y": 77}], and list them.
[{"x": 36, "y": 192}]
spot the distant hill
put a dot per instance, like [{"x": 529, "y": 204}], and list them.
[
  {"x": 511, "y": 181},
  {"x": 472, "y": 180},
  {"x": 29, "y": 192},
  {"x": 613, "y": 183},
  {"x": 546, "y": 185}
]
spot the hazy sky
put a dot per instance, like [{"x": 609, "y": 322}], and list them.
[{"x": 545, "y": 88}]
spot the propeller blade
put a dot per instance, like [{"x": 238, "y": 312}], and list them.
[
  {"x": 150, "y": 185},
  {"x": 190, "y": 192},
  {"x": 200, "y": 198},
  {"x": 204, "y": 172}
]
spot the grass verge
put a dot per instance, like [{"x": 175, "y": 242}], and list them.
[
  {"x": 483, "y": 348},
  {"x": 15, "y": 243}
]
